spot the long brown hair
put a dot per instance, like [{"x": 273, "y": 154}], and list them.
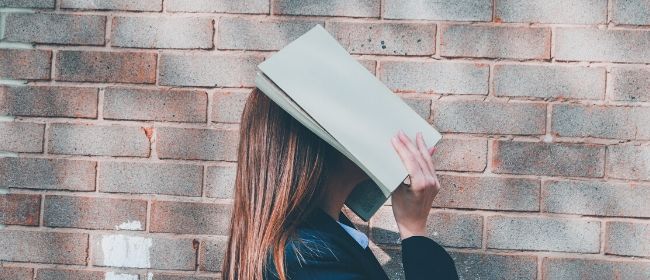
[{"x": 279, "y": 168}]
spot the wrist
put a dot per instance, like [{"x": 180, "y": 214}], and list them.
[{"x": 404, "y": 234}]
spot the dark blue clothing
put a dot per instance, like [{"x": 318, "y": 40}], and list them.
[{"x": 326, "y": 251}]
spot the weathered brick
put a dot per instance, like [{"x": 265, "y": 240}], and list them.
[
  {"x": 493, "y": 266},
  {"x": 195, "y": 143},
  {"x": 156, "y": 178},
  {"x": 260, "y": 34},
  {"x": 628, "y": 162},
  {"x": 96, "y": 66},
  {"x": 435, "y": 77},
  {"x": 94, "y": 212},
  {"x": 460, "y": 154},
  {"x": 631, "y": 12},
  {"x": 570, "y": 268},
  {"x": 492, "y": 193},
  {"x": 25, "y": 64},
  {"x": 421, "y": 106},
  {"x": 208, "y": 70},
  {"x": 155, "y": 105},
  {"x": 545, "y": 81},
  {"x": 543, "y": 234},
  {"x": 45, "y": 101},
  {"x": 144, "y": 251},
  {"x": 125, "y": 5},
  {"x": 16, "y": 273},
  {"x": 162, "y": 32},
  {"x": 596, "y": 198},
  {"x": 601, "y": 121},
  {"x": 190, "y": 217},
  {"x": 27, "y": 3},
  {"x": 21, "y": 137},
  {"x": 627, "y": 239},
  {"x": 55, "y": 28},
  {"x": 552, "y": 11},
  {"x": 218, "y": 6},
  {"x": 448, "y": 229},
  {"x": 593, "y": 44},
  {"x": 629, "y": 84},
  {"x": 495, "y": 41},
  {"x": 551, "y": 159},
  {"x": 220, "y": 181},
  {"x": 48, "y": 174},
  {"x": 19, "y": 209},
  {"x": 89, "y": 139},
  {"x": 212, "y": 253},
  {"x": 390, "y": 260},
  {"x": 227, "y": 107},
  {"x": 346, "y": 8},
  {"x": 460, "y": 10},
  {"x": 70, "y": 274},
  {"x": 477, "y": 116},
  {"x": 43, "y": 247},
  {"x": 385, "y": 38}
]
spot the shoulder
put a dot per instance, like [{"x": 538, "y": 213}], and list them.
[{"x": 310, "y": 249}]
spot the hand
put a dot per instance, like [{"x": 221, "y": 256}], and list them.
[{"x": 411, "y": 204}]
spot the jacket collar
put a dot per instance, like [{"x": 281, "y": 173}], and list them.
[{"x": 323, "y": 222}]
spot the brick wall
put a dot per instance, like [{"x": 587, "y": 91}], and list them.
[{"x": 120, "y": 119}]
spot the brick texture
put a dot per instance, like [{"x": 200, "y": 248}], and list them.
[
  {"x": 55, "y": 28},
  {"x": 119, "y": 130},
  {"x": 45, "y": 101}
]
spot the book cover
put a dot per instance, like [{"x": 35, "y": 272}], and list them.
[{"x": 320, "y": 84}]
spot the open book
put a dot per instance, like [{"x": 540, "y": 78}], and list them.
[{"x": 317, "y": 82}]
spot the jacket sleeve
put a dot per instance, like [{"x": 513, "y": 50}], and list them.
[{"x": 423, "y": 258}]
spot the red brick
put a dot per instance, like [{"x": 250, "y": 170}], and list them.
[
  {"x": 551, "y": 159},
  {"x": 155, "y": 105},
  {"x": 435, "y": 77},
  {"x": 55, "y": 28},
  {"x": 543, "y": 234},
  {"x": 45, "y": 101},
  {"x": 43, "y": 247},
  {"x": 156, "y": 178},
  {"x": 190, "y": 217},
  {"x": 25, "y": 64},
  {"x": 491, "y": 193},
  {"x": 88, "y": 139},
  {"x": 591, "y": 44},
  {"x": 346, "y": 8},
  {"x": 495, "y": 42},
  {"x": 476, "y": 116},
  {"x": 48, "y": 174},
  {"x": 573, "y": 268},
  {"x": 97, "y": 66},
  {"x": 460, "y": 154},
  {"x": 16, "y": 273},
  {"x": 94, "y": 212},
  {"x": 20, "y": 209},
  {"x": 260, "y": 34},
  {"x": 21, "y": 137},
  {"x": 385, "y": 38},
  {"x": 125, "y": 5},
  {"x": 446, "y": 228},
  {"x": 194, "y": 143},
  {"x": 227, "y": 107},
  {"x": 627, "y": 239},
  {"x": 599, "y": 121}
]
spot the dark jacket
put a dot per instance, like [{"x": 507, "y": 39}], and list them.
[{"x": 327, "y": 251}]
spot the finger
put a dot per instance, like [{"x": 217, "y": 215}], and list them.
[
  {"x": 432, "y": 150},
  {"x": 408, "y": 160},
  {"x": 416, "y": 153},
  {"x": 423, "y": 151}
]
